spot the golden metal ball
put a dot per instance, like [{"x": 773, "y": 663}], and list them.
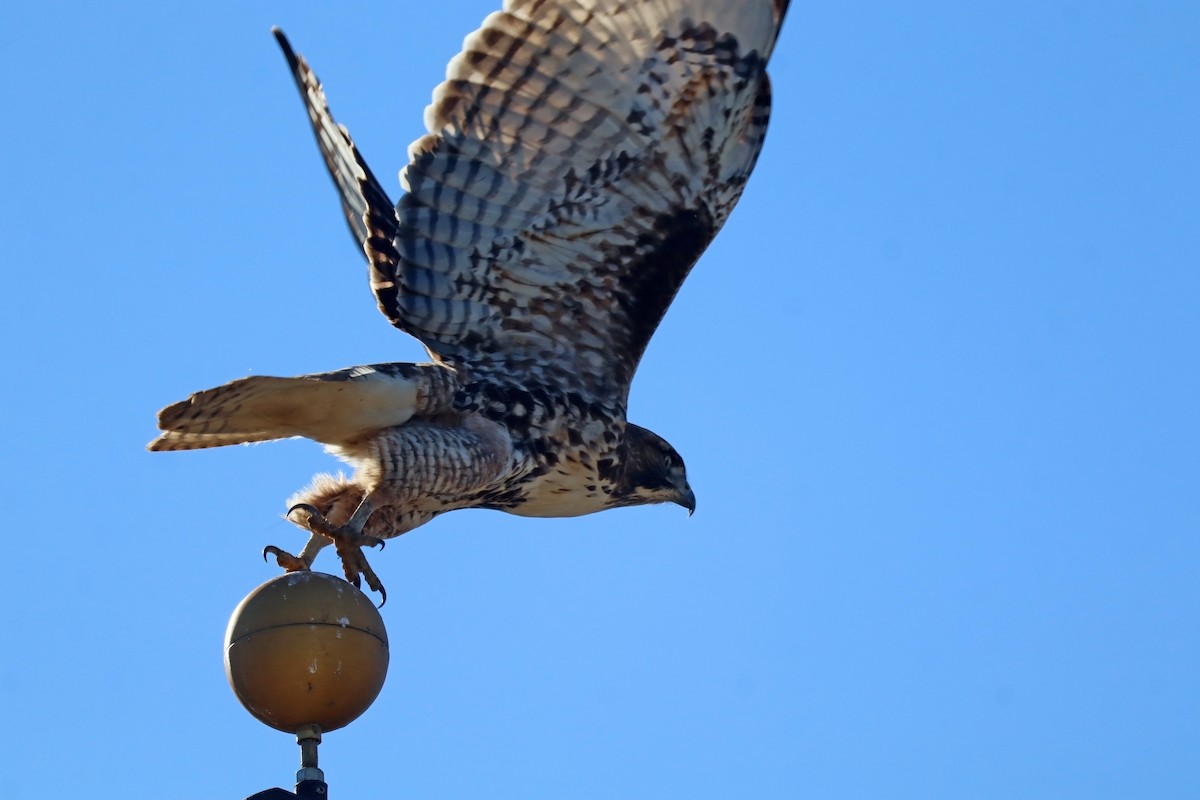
[{"x": 304, "y": 649}]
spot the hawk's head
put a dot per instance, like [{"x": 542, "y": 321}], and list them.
[{"x": 652, "y": 472}]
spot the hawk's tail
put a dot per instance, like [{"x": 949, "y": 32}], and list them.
[{"x": 331, "y": 408}]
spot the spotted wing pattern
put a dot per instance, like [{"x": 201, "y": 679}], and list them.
[{"x": 580, "y": 157}]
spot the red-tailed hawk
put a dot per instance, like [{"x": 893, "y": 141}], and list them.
[{"x": 581, "y": 155}]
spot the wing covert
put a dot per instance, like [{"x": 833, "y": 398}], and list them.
[{"x": 581, "y": 155}]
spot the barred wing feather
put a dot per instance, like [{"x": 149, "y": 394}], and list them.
[{"x": 580, "y": 157}]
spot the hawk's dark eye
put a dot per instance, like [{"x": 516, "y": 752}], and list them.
[{"x": 666, "y": 463}]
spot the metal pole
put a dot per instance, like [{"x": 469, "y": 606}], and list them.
[{"x": 310, "y": 780}]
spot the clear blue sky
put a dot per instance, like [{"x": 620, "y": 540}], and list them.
[{"x": 936, "y": 384}]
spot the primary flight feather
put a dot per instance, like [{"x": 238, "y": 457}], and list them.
[{"x": 580, "y": 158}]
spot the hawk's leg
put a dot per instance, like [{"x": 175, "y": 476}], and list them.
[
  {"x": 298, "y": 563},
  {"x": 347, "y": 539}
]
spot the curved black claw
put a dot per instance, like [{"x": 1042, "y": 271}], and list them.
[
  {"x": 289, "y": 562},
  {"x": 312, "y": 510},
  {"x": 357, "y": 570},
  {"x": 357, "y": 581}
]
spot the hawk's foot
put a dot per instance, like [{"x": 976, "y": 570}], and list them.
[
  {"x": 347, "y": 540},
  {"x": 289, "y": 562}
]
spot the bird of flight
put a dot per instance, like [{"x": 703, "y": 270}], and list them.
[{"x": 581, "y": 155}]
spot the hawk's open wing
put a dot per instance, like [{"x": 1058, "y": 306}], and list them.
[{"x": 580, "y": 157}]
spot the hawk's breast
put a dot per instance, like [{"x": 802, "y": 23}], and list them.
[{"x": 565, "y": 490}]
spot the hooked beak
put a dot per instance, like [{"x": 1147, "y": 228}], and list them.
[{"x": 687, "y": 499}]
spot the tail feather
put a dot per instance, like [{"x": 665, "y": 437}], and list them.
[
  {"x": 331, "y": 408},
  {"x": 172, "y": 440}
]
